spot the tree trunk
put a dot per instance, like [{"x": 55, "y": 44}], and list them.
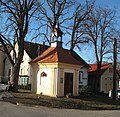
[
  {"x": 97, "y": 83},
  {"x": 15, "y": 77},
  {"x": 97, "y": 79},
  {"x": 114, "y": 68}
]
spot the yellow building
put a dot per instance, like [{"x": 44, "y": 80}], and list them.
[
  {"x": 106, "y": 80},
  {"x": 59, "y": 64},
  {"x": 31, "y": 51},
  {"x": 56, "y": 72}
]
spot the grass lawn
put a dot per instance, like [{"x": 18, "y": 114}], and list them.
[{"x": 90, "y": 102}]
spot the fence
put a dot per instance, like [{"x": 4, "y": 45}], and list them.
[
  {"x": 25, "y": 87},
  {"x": 21, "y": 85}
]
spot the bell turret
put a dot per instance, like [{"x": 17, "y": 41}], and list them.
[{"x": 56, "y": 33}]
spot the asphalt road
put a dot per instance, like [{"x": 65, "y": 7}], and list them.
[{"x": 12, "y": 110}]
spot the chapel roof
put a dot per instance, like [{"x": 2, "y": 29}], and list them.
[
  {"x": 56, "y": 54},
  {"x": 77, "y": 57}
]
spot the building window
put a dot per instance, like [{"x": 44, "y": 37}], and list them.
[
  {"x": 43, "y": 74},
  {"x": 23, "y": 80},
  {"x": 80, "y": 77}
]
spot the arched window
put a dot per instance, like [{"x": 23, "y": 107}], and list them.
[{"x": 43, "y": 74}]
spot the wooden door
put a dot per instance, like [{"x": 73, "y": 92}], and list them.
[{"x": 68, "y": 83}]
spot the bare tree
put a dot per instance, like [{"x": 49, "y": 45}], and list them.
[
  {"x": 54, "y": 13},
  {"x": 17, "y": 15},
  {"x": 99, "y": 31},
  {"x": 80, "y": 15},
  {"x": 61, "y": 12},
  {"x": 118, "y": 45}
]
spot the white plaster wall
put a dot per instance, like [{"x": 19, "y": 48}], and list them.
[
  {"x": 106, "y": 83},
  {"x": 25, "y": 67},
  {"x": 55, "y": 84},
  {"x": 69, "y": 71},
  {"x": 34, "y": 73},
  {"x": 44, "y": 83},
  {"x": 84, "y": 80},
  {"x": 31, "y": 75}
]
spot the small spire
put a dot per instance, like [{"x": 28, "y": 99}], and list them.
[{"x": 56, "y": 33}]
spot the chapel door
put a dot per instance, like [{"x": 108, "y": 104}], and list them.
[{"x": 68, "y": 83}]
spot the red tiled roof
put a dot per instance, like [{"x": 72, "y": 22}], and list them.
[
  {"x": 93, "y": 67},
  {"x": 56, "y": 54},
  {"x": 77, "y": 57}
]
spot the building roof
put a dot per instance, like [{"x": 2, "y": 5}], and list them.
[
  {"x": 56, "y": 54},
  {"x": 77, "y": 57},
  {"x": 34, "y": 49},
  {"x": 2, "y": 48},
  {"x": 93, "y": 67}
]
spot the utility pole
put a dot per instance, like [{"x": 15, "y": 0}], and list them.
[{"x": 114, "y": 67}]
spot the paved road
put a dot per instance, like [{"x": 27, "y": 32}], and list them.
[{"x": 11, "y": 110}]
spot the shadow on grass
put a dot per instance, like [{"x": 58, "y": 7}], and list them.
[
  {"x": 102, "y": 99},
  {"x": 88, "y": 102}
]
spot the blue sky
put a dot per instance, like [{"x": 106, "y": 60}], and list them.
[
  {"x": 86, "y": 53},
  {"x": 110, "y": 3}
]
